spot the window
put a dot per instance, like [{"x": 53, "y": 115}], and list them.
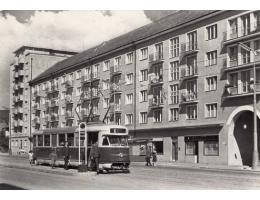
[
  {"x": 40, "y": 140},
  {"x": 143, "y": 53},
  {"x": 212, "y": 32},
  {"x": 174, "y": 47},
  {"x": 192, "y": 41},
  {"x": 233, "y": 28},
  {"x": 174, "y": 71},
  {"x": 129, "y": 78},
  {"x": 47, "y": 140},
  {"x": 245, "y": 24},
  {"x": 61, "y": 139},
  {"x": 78, "y": 91},
  {"x": 106, "y": 84},
  {"x": 129, "y": 58},
  {"x": 211, "y": 58},
  {"x": 158, "y": 147},
  {"x": 106, "y": 103},
  {"x": 144, "y": 75},
  {"x": 129, "y": 119},
  {"x": 158, "y": 51},
  {"x": 95, "y": 71},
  {"x": 118, "y": 119},
  {"x": 43, "y": 86},
  {"x": 191, "y": 68},
  {"x": 71, "y": 77},
  {"x": 245, "y": 55},
  {"x": 157, "y": 116},
  {"x": 70, "y": 139},
  {"x": 143, "y": 118},
  {"x": 54, "y": 140},
  {"x": 63, "y": 79},
  {"x": 78, "y": 74},
  {"x": 129, "y": 98},
  {"x": 143, "y": 95},
  {"x": 106, "y": 65},
  {"x": 211, "y": 148},
  {"x": 190, "y": 148},
  {"x": 63, "y": 94},
  {"x": 192, "y": 112},
  {"x": 118, "y": 61},
  {"x": 211, "y": 110},
  {"x": 174, "y": 95},
  {"x": 174, "y": 114},
  {"x": 211, "y": 83}
]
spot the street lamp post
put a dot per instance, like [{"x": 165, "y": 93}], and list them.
[{"x": 255, "y": 145}]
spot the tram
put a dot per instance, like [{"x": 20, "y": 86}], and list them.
[{"x": 111, "y": 141}]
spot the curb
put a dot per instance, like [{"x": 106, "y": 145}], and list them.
[
  {"x": 244, "y": 171},
  {"x": 39, "y": 170}
]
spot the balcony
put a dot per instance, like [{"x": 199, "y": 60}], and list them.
[
  {"x": 20, "y": 98},
  {"x": 155, "y": 79},
  {"x": 242, "y": 89},
  {"x": 239, "y": 64},
  {"x": 85, "y": 79},
  {"x": 84, "y": 112},
  {"x": 15, "y": 87},
  {"x": 20, "y": 110},
  {"x": 189, "y": 97},
  {"x": 20, "y": 122},
  {"x": 52, "y": 89},
  {"x": 54, "y": 117},
  {"x": 189, "y": 72},
  {"x": 21, "y": 73},
  {"x": 237, "y": 34},
  {"x": 16, "y": 75},
  {"x": 115, "y": 108},
  {"x": 15, "y": 111},
  {"x": 69, "y": 84},
  {"x": 189, "y": 48},
  {"x": 15, "y": 123},
  {"x": 68, "y": 99},
  {"x": 156, "y": 102},
  {"x": 115, "y": 70},
  {"x": 36, "y": 106},
  {"x": 69, "y": 115},
  {"x": 36, "y": 120},
  {"x": 156, "y": 57},
  {"x": 115, "y": 88},
  {"x": 36, "y": 93},
  {"x": 54, "y": 103}
]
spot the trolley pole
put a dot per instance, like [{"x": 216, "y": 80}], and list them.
[{"x": 83, "y": 125}]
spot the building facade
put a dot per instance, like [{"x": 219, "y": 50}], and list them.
[
  {"x": 29, "y": 63},
  {"x": 183, "y": 82}
]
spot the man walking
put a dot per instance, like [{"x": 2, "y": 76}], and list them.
[
  {"x": 66, "y": 155},
  {"x": 148, "y": 156},
  {"x": 94, "y": 157}
]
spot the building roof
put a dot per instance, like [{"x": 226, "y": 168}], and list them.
[
  {"x": 22, "y": 48},
  {"x": 166, "y": 23}
]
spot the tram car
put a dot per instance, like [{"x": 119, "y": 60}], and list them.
[{"x": 110, "y": 140}]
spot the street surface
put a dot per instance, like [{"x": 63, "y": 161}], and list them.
[{"x": 140, "y": 178}]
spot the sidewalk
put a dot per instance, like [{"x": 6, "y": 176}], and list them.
[{"x": 161, "y": 164}]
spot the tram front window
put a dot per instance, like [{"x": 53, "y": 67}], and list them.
[{"x": 115, "y": 140}]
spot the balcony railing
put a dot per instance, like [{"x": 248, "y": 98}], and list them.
[
  {"x": 84, "y": 112},
  {"x": 21, "y": 72},
  {"x": 37, "y": 120},
  {"x": 241, "y": 32},
  {"x": 54, "y": 103},
  {"x": 188, "y": 97},
  {"x": 156, "y": 57},
  {"x": 54, "y": 117},
  {"x": 53, "y": 88},
  {"x": 16, "y": 87},
  {"x": 85, "y": 78},
  {"x": 20, "y": 122},
  {"x": 115, "y": 108},
  {"x": 69, "y": 115},
  {"x": 154, "y": 79},
  {"x": 68, "y": 99},
  {"x": 189, "y": 72},
  {"x": 36, "y": 106},
  {"x": 20, "y": 110},
  {"x": 156, "y": 101},
  {"x": 189, "y": 47},
  {"x": 21, "y": 85},
  {"x": 16, "y": 75},
  {"x": 241, "y": 89},
  {"x": 115, "y": 87},
  {"x": 69, "y": 84},
  {"x": 116, "y": 69}
]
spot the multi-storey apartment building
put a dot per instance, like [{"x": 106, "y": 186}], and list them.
[
  {"x": 29, "y": 63},
  {"x": 183, "y": 82}
]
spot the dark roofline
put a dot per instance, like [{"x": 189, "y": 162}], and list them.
[
  {"x": 22, "y": 48},
  {"x": 43, "y": 76}
]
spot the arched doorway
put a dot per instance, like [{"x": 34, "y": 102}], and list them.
[{"x": 241, "y": 127}]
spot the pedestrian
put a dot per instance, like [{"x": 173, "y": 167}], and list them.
[
  {"x": 66, "y": 155},
  {"x": 154, "y": 155},
  {"x": 94, "y": 157},
  {"x": 31, "y": 157},
  {"x": 148, "y": 156},
  {"x": 53, "y": 157}
]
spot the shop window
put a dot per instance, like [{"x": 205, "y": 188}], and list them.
[
  {"x": 211, "y": 148},
  {"x": 47, "y": 140},
  {"x": 61, "y": 139},
  {"x": 158, "y": 147},
  {"x": 190, "y": 148}
]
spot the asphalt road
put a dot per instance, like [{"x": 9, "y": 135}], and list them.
[{"x": 140, "y": 178}]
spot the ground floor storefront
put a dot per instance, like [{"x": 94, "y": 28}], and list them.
[
  {"x": 229, "y": 143},
  {"x": 19, "y": 145}
]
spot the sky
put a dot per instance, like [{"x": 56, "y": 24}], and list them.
[{"x": 64, "y": 30}]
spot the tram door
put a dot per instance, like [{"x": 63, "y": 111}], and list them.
[{"x": 92, "y": 139}]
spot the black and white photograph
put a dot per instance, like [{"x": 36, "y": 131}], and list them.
[{"x": 94, "y": 99}]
